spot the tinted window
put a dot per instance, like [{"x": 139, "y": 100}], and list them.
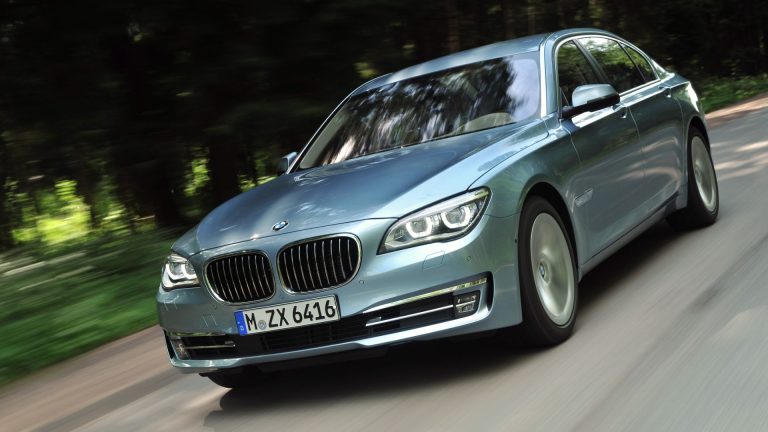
[
  {"x": 641, "y": 63},
  {"x": 451, "y": 102},
  {"x": 621, "y": 71},
  {"x": 573, "y": 70}
]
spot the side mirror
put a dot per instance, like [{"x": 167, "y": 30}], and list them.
[
  {"x": 591, "y": 97},
  {"x": 285, "y": 163}
]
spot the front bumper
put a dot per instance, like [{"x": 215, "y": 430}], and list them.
[{"x": 403, "y": 279}]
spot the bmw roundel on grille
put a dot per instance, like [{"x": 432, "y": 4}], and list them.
[{"x": 280, "y": 225}]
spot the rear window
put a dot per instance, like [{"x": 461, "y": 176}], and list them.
[
  {"x": 641, "y": 63},
  {"x": 452, "y": 102},
  {"x": 618, "y": 67}
]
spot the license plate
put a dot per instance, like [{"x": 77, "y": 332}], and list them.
[{"x": 287, "y": 315}]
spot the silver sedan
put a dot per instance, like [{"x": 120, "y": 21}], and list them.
[{"x": 465, "y": 194}]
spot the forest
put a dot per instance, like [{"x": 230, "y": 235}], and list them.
[
  {"x": 133, "y": 115},
  {"x": 123, "y": 122}
]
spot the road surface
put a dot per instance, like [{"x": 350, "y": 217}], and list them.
[{"x": 672, "y": 335}]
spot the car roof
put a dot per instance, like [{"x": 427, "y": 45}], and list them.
[{"x": 474, "y": 55}]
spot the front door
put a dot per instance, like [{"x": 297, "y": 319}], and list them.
[{"x": 608, "y": 185}]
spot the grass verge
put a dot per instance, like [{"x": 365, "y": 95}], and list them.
[
  {"x": 720, "y": 92},
  {"x": 55, "y": 305}
]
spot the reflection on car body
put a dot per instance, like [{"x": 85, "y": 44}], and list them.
[{"x": 465, "y": 194}]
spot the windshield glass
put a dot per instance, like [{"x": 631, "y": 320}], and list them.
[{"x": 450, "y": 102}]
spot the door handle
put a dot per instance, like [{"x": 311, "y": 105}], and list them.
[
  {"x": 666, "y": 90},
  {"x": 621, "y": 111}
]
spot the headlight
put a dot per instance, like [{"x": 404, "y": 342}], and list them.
[
  {"x": 445, "y": 220},
  {"x": 178, "y": 273}
]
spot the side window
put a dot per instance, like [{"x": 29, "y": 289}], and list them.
[
  {"x": 573, "y": 70},
  {"x": 641, "y": 63},
  {"x": 618, "y": 67}
]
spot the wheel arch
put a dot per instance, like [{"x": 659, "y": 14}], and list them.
[
  {"x": 697, "y": 123},
  {"x": 547, "y": 191}
]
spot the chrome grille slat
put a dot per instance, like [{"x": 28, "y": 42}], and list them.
[
  {"x": 260, "y": 289},
  {"x": 341, "y": 264},
  {"x": 282, "y": 263},
  {"x": 239, "y": 291},
  {"x": 269, "y": 286},
  {"x": 231, "y": 279},
  {"x": 333, "y": 266},
  {"x": 349, "y": 256},
  {"x": 293, "y": 266},
  {"x": 300, "y": 265},
  {"x": 317, "y": 267},
  {"x": 240, "y": 278},
  {"x": 309, "y": 266},
  {"x": 247, "y": 277},
  {"x": 325, "y": 265}
]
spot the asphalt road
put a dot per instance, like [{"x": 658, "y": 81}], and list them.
[{"x": 672, "y": 335}]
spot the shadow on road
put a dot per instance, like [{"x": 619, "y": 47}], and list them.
[
  {"x": 429, "y": 364},
  {"x": 608, "y": 276}
]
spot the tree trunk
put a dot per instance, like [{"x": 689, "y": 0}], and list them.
[
  {"x": 508, "y": 15},
  {"x": 6, "y": 235},
  {"x": 86, "y": 183},
  {"x": 531, "y": 10},
  {"x": 222, "y": 166},
  {"x": 452, "y": 22}
]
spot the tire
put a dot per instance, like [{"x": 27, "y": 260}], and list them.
[
  {"x": 548, "y": 283},
  {"x": 703, "y": 193},
  {"x": 237, "y": 378}
]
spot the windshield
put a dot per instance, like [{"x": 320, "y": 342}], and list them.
[{"x": 450, "y": 102}]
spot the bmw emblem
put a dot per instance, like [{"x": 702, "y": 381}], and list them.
[{"x": 280, "y": 225}]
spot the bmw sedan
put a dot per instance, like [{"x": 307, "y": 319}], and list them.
[{"x": 466, "y": 194}]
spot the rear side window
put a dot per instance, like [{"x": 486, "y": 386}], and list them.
[
  {"x": 618, "y": 67},
  {"x": 641, "y": 63},
  {"x": 573, "y": 70}
]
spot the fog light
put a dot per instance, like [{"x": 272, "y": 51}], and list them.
[
  {"x": 465, "y": 304},
  {"x": 179, "y": 349}
]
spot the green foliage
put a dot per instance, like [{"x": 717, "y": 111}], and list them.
[
  {"x": 63, "y": 217},
  {"x": 721, "y": 92},
  {"x": 54, "y": 305}
]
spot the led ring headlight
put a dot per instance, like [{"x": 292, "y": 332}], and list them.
[{"x": 442, "y": 221}]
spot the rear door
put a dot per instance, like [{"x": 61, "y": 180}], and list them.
[
  {"x": 656, "y": 114},
  {"x": 660, "y": 124},
  {"x": 607, "y": 185}
]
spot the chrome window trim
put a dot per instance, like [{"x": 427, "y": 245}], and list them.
[
  {"x": 216, "y": 297},
  {"x": 312, "y": 239},
  {"x": 544, "y": 109},
  {"x": 621, "y": 42}
]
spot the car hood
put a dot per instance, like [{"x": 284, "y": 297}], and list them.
[{"x": 389, "y": 184}]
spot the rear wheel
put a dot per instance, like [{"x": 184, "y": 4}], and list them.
[
  {"x": 548, "y": 285},
  {"x": 703, "y": 193}
]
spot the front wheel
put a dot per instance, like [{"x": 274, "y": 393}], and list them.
[
  {"x": 548, "y": 285},
  {"x": 703, "y": 193}
]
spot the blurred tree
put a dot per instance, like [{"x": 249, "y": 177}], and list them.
[
  {"x": 6, "y": 237},
  {"x": 128, "y": 98}
]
